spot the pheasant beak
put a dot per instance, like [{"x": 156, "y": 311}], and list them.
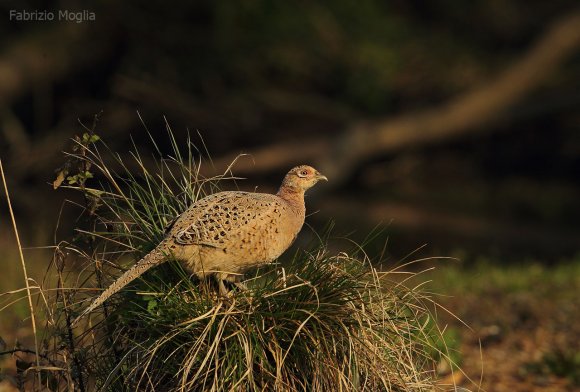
[{"x": 321, "y": 177}]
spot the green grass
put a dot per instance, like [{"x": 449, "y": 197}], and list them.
[
  {"x": 317, "y": 322},
  {"x": 483, "y": 275}
]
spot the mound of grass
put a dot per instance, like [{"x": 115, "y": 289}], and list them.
[
  {"x": 318, "y": 322},
  {"x": 326, "y": 323}
]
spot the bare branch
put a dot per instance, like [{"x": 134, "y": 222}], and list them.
[{"x": 465, "y": 114}]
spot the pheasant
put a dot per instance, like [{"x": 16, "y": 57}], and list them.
[{"x": 225, "y": 234}]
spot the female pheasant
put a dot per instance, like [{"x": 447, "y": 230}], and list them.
[{"x": 225, "y": 234}]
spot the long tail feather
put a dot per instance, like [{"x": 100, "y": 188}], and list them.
[{"x": 155, "y": 257}]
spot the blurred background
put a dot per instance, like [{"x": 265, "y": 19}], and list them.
[{"x": 451, "y": 124}]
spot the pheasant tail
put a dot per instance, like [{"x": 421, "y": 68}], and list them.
[{"x": 155, "y": 257}]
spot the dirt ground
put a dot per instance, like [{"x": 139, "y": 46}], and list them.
[{"x": 525, "y": 328}]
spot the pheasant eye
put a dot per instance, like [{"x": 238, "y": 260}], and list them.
[{"x": 303, "y": 173}]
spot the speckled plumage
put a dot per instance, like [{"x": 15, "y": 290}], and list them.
[{"x": 226, "y": 233}]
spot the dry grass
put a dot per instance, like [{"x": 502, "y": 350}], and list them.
[{"x": 317, "y": 322}]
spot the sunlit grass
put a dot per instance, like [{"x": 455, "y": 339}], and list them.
[
  {"x": 317, "y": 322},
  {"x": 328, "y": 322},
  {"x": 484, "y": 274}
]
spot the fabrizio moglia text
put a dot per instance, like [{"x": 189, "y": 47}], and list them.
[{"x": 49, "y": 16}]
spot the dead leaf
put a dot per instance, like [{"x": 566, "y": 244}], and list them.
[{"x": 59, "y": 179}]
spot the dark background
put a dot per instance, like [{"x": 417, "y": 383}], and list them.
[
  {"x": 477, "y": 103},
  {"x": 449, "y": 124}
]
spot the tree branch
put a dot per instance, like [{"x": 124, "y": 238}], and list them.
[{"x": 465, "y": 114}]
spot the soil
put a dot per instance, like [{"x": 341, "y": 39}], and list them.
[{"x": 520, "y": 340}]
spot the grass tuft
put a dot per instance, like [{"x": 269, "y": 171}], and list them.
[
  {"x": 317, "y": 322},
  {"x": 326, "y": 323}
]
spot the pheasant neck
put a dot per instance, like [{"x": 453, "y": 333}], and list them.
[{"x": 294, "y": 197}]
